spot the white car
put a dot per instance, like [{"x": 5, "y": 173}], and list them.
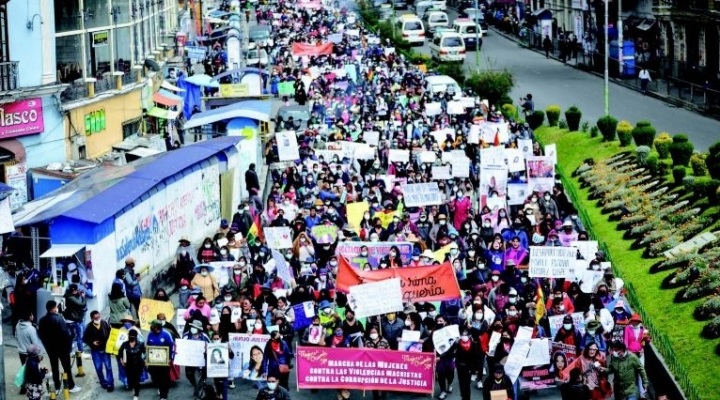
[
  {"x": 448, "y": 46},
  {"x": 257, "y": 58}
]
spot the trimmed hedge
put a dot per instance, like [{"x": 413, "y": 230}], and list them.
[
  {"x": 644, "y": 133},
  {"x": 697, "y": 162},
  {"x": 573, "y": 115},
  {"x": 535, "y": 120},
  {"x": 679, "y": 173},
  {"x": 607, "y": 126},
  {"x": 662, "y": 145},
  {"x": 681, "y": 149},
  {"x": 625, "y": 133},
  {"x": 553, "y": 114}
]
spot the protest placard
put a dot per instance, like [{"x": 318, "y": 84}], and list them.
[
  {"x": 351, "y": 251},
  {"x": 539, "y": 353},
  {"x": 460, "y": 167},
  {"x": 248, "y": 361},
  {"x": 335, "y": 37},
  {"x": 221, "y": 271},
  {"x": 189, "y": 353},
  {"x": 474, "y": 134},
  {"x": 410, "y": 345},
  {"x": 526, "y": 147},
  {"x": 278, "y": 237},
  {"x": 218, "y": 361},
  {"x": 587, "y": 248},
  {"x": 303, "y": 314},
  {"x": 433, "y": 283},
  {"x": 287, "y": 145},
  {"x": 556, "y": 322},
  {"x": 282, "y": 268},
  {"x": 397, "y": 155},
  {"x": 364, "y": 153},
  {"x": 515, "y": 160},
  {"x": 286, "y": 88},
  {"x": 536, "y": 377},
  {"x": 410, "y": 336},
  {"x": 516, "y": 359},
  {"x": 551, "y": 262},
  {"x": 324, "y": 234},
  {"x": 371, "y": 299},
  {"x": 444, "y": 338},
  {"x": 589, "y": 279},
  {"x": 455, "y": 107},
  {"x": 441, "y": 172},
  {"x": 541, "y": 185},
  {"x": 355, "y": 212},
  {"x": 180, "y": 319},
  {"x": 551, "y": 151},
  {"x": 494, "y": 156},
  {"x": 371, "y": 137},
  {"x": 364, "y": 369},
  {"x": 490, "y": 131},
  {"x": 422, "y": 194},
  {"x": 494, "y": 341},
  {"x": 149, "y": 309},
  {"x": 115, "y": 340},
  {"x": 441, "y": 135},
  {"x": 427, "y": 156},
  {"x": 517, "y": 193},
  {"x": 433, "y": 108},
  {"x": 540, "y": 167}
]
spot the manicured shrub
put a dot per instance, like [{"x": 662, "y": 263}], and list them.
[
  {"x": 664, "y": 166},
  {"x": 535, "y": 120},
  {"x": 689, "y": 183},
  {"x": 509, "y": 111},
  {"x": 607, "y": 126},
  {"x": 713, "y": 161},
  {"x": 706, "y": 187},
  {"x": 553, "y": 114},
  {"x": 493, "y": 85},
  {"x": 585, "y": 126},
  {"x": 644, "y": 133},
  {"x": 642, "y": 153},
  {"x": 594, "y": 131},
  {"x": 681, "y": 149},
  {"x": 562, "y": 124},
  {"x": 697, "y": 162},
  {"x": 662, "y": 145},
  {"x": 679, "y": 173},
  {"x": 573, "y": 115},
  {"x": 652, "y": 163},
  {"x": 624, "y": 132}
]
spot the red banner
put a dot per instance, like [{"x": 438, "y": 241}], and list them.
[
  {"x": 305, "y": 49},
  {"x": 365, "y": 369},
  {"x": 435, "y": 283}
]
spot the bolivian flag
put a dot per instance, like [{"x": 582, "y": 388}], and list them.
[{"x": 255, "y": 233}]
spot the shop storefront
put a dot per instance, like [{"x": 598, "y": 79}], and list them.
[{"x": 96, "y": 127}]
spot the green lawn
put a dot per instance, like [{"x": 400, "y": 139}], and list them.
[{"x": 694, "y": 354}]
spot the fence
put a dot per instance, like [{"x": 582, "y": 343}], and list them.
[{"x": 660, "y": 340}]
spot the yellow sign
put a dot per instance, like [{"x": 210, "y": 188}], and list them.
[
  {"x": 440, "y": 253},
  {"x": 234, "y": 90},
  {"x": 385, "y": 217},
  {"x": 355, "y": 212},
  {"x": 149, "y": 309},
  {"x": 115, "y": 340}
]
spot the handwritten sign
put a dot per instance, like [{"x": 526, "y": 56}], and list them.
[
  {"x": 149, "y": 309},
  {"x": 190, "y": 353},
  {"x": 376, "y": 251},
  {"x": 376, "y": 298},
  {"x": 396, "y": 155},
  {"x": 551, "y": 262},
  {"x": 278, "y": 237},
  {"x": 460, "y": 167},
  {"x": 441, "y": 172},
  {"x": 325, "y": 234},
  {"x": 422, "y": 194}
]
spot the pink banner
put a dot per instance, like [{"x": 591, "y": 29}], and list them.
[
  {"x": 305, "y": 49},
  {"x": 21, "y": 118},
  {"x": 365, "y": 369}
]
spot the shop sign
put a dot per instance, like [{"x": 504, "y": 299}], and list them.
[
  {"x": 21, "y": 118},
  {"x": 100, "y": 38},
  {"x": 95, "y": 122},
  {"x": 234, "y": 90}
]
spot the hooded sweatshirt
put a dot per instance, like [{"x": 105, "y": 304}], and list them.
[{"x": 27, "y": 334}]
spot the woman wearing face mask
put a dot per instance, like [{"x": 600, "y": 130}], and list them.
[
  {"x": 277, "y": 359},
  {"x": 127, "y": 323},
  {"x": 593, "y": 363},
  {"x": 495, "y": 256},
  {"x": 225, "y": 254},
  {"x": 468, "y": 361},
  {"x": 185, "y": 259},
  {"x": 413, "y": 322},
  {"x": 303, "y": 247},
  {"x": 205, "y": 281},
  {"x": 207, "y": 252},
  {"x": 119, "y": 305},
  {"x": 478, "y": 329},
  {"x": 503, "y": 221},
  {"x": 195, "y": 374},
  {"x": 445, "y": 364},
  {"x": 392, "y": 259},
  {"x": 132, "y": 358}
]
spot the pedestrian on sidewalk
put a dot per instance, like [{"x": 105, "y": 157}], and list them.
[
  {"x": 547, "y": 46},
  {"x": 27, "y": 335},
  {"x": 645, "y": 80},
  {"x": 96, "y": 336},
  {"x": 34, "y": 375},
  {"x": 57, "y": 339},
  {"x": 132, "y": 357}
]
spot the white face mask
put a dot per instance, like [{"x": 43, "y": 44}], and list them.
[
  {"x": 363, "y": 254},
  {"x": 486, "y": 224},
  {"x": 495, "y": 278},
  {"x": 207, "y": 246},
  {"x": 567, "y": 326},
  {"x": 512, "y": 300},
  {"x": 237, "y": 271},
  {"x": 407, "y": 322},
  {"x": 327, "y": 310},
  {"x": 223, "y": 252},
  {"x": 272, "y": 385},
  {"x": 478, "y": 316},
  {"x": 511, "y": 313},
  {"x": 242, "y": 263},
  {"x": 333, "y": 263},
  {"x": 258, "y": 325},
  {"x": 217, "y": 341},
  {"x": 194, "y": 331},
  {"x": 228, "y": 298},
  {"x": 373, "y": 336},
  {"x": 204, "y": 273},
  {"x": 590, "y": 332},
  {"x": 183, "y": 287},
  {"x": 471, "y": 253},
  {"x": 442, "y": 222}
]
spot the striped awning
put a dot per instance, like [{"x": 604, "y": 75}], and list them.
[
  {"x": 158, "y": 112},
  {"x": 159, "y": 98}
]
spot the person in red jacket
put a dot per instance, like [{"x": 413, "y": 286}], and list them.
[{"x": 567, "y": 333}]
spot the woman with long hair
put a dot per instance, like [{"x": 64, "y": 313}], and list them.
[{"x": 592, "y": 363}]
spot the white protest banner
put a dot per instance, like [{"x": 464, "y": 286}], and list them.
[
  {"x": 460, "y": 167},
  {"x": 556, "y": 322},
  {"x": 218, "y": 361},
  {"x": 248, "y": 360},
  {"x": 410, "y": 336},
  {"x": 492, "y": 156},
  {"x": 329, "y": 155},
  {"x": 288, "y": 149},
  {"x": 587, "y": 248},
  {"x": 441, "y": 172},
  {"x": 282, "y": 268},
  {"x": 539, "y": 353},
  {"x": 474, "y": 134},
  {"x": 526, "y": 147},
  {"x": 551, "y": 262},
  {"x": 427, "y": 156},
  {"x": 6, "y": 221},
  {"x": 492, "y": 344},
  {"x": 372, "y": 137},
  {"x": 541, "y": 185},
  {"x": 575, "y": 273},
  {"x": 444, "y": 338},
  {"x": 190, "y": 353},
  {"x": 517, "y": 193},
  {"x": 551, "y": 151},
  {"x": 433, "y": 108},
  {"x": 589, "y": 279},
  {"x": 278, "y": 237},
  {"x": 221, "y": 271},
  {"x": 371, "y": 299},
  {"x": 364, "y": 153},
  {"x": 516, "y": 359},
  {"x": 180, "y": 318},
  {"x": 455, "y": 107},
  {"x": 422, "y": 194},
  {"x": 515, "y": 160},
  {"x": 467, "y": 102},
  {"x": 441, "y": 135},
  {"x": 396, "y": 155}
]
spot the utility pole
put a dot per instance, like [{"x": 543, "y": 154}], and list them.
[
  {"x": 607, "y": 57},
  {"x": 477, "y": 37},
  {"x": 621, "y": 57}
]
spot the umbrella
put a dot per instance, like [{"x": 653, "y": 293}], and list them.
[{"x": 202, "y": 80}]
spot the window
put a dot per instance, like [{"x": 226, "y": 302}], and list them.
[
  {"x": 4, "y": 44},
  {"x": 413, "y": 26},
  {"x": 68, "y": 16},
  {"x": 121, "y": 39},
  {"x": 130, "y": 128},
  {"x": 69, "y": 53},
  {"x": 97, "y": 13},
  {"x": 470, "y": 29},
  {"x": 98, "y": 54},
  {"x": 452, "y": 41}
]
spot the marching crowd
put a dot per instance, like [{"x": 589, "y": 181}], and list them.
[{"x": 487, "y": 248}]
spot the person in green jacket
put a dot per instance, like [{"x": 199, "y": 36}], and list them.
[{"x": 626, "y": 367}]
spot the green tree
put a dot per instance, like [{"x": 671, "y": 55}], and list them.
[
  {"x": 492, "y": 85},
  {"x": 681, "y": 149}
]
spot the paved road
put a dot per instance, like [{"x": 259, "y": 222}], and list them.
[{"x": 551, "y": 82}]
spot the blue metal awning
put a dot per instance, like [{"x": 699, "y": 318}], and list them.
[{"x": 253, "y": 109}]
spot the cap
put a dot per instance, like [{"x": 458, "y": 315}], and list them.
[
  {"x": 72, "y": 267},
  {"x": 184, "y": 239},
  {"x": 512, "y": 292},
  {"x": 224, "y": 223},
  {"x": 453, "y": 245},
  {"x": 156, "y": 322},
  {"x": 567, "y": 223},
  {"x": 441, "y": 216},
  {"x": 498, "y": 368},
  {"x": 127, "y": 317},
  {"x": 495, "y": 272},
  {"x": 324, "y": 304},
  {"x": 636, "y": 318},
  {"x": 184, "y": 282},
  {"x": 133, "y": 333},
  {"x": 195, "y": 324}
]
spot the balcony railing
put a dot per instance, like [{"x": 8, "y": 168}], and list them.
[{"x": 8, "y": 75}]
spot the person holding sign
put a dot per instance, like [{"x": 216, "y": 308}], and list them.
[
  {"x": 196, "y": 375},
  {"x": 161, "y": 373},
  {"x": 498, "y": 381},
  {"x": 132, "y": 357},
  {"x": 277, "y": 359}
]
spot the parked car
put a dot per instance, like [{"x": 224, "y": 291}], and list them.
[
  {"x": 470, "y": 13},
  {"x": 448, "y": 46},
  {"x": 435, "y": 19},
  {"x": 257, "y": 58},
  {"x": 411, "y": 28}
]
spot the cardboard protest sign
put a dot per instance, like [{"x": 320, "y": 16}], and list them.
[
  {"x": 115, "y": 340},
  {"x": 444, "y": 338},
  {"x": 149, "y": 309},
  {"x": 414, "y": 346},
  {"x": 248, "y": 361},
  {"x": 397, "y": 155},
  {"x": 427, "y": 156},
  {"x": 189, "y": 353},
  {"x": 556, "y": 322},
  {"x": 460, "y": 167},
  {"x": 441, "y": 172},
  {"x": 287, "y": 144},
  {"x": 493, "y": 156},
  {"x": 434, "y": 283},
  {"x": 278, "y": 237},
  {"x": 376, "y": 298},
  {"x": 351, "y": 251},
  {"x": 355, "y": 212},
  {"x": 422, "y": 194},
  {"x": 218, "y": 360},
  {"x": 433, "y": 108},
  {"x": 493, "y": 183},
  {"x": 282, "y": 268},
  {"x": 455, "y": 107},
  {"x": 365, "y": 369},
  {"x": 325, "y": 234},
  {"x": 474, "y": 134},
  {"x": 551, "y": 262}
]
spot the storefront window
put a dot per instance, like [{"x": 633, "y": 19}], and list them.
[
  {"x": 68, "y": 16},
  {"x": 97, "y": 13},
  {"x": 69, "y": 53},
  {"x": 121, "y": 11},
  {"x": 123, "y": 49},
  {"x": 98, "y": 54}
]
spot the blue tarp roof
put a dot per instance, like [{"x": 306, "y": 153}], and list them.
[
  {"x": 102, "y": 193},
  {"x": 254, "y": 109}
]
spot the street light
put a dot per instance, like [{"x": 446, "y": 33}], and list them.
[
  {"x": 607, "y": 57},
  {"x": 477, "y": 38}
]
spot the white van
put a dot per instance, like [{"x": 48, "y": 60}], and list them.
[
  {"x": 469, "y": 32},
  {"x": 442, "y": 84},
  {"x": 411, "y": 28},
  {"x": 448, "y": 46},
  {"x": 435, "y": 19}
]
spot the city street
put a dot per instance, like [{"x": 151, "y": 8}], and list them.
[{"x": 551, "y": 82}]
